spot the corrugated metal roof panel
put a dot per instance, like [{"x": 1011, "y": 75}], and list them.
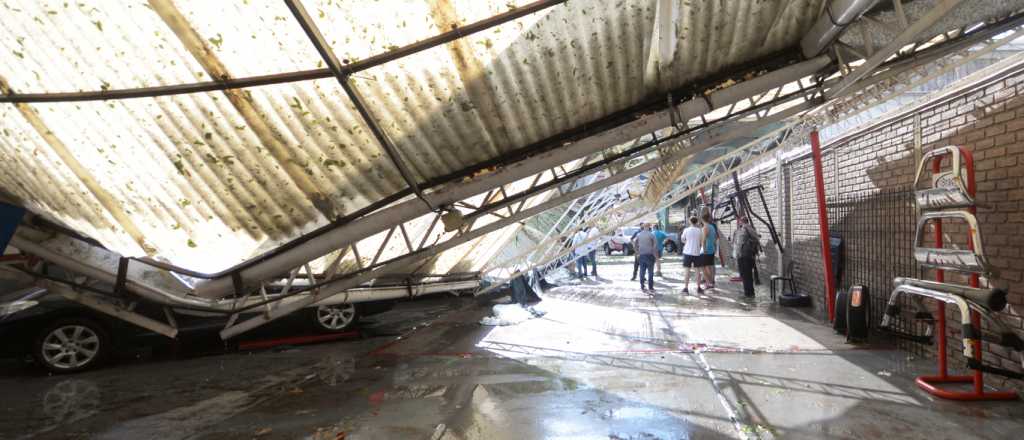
[{"x": 206, "y": 180}]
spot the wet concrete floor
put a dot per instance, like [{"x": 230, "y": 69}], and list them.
[{"x": 606, "y": 362}]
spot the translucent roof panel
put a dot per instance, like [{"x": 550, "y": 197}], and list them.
[
  {"x": 59, "y": 46},
  {"x": 260, "y": 38},
  {"x": 213, "y": 180},
  {"x": 207, "y": 180}
]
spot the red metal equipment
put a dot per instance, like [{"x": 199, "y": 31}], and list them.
[
  {"x": 826, "y": 255},
  {"x": 931, "y": 383}
]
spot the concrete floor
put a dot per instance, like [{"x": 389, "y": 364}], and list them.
[{"x": 606, "y": 362}]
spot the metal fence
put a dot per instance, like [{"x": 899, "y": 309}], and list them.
[{"x": 877, "y": 228}]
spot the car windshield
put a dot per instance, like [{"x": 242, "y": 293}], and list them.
[{"x": 629, "y": 231}]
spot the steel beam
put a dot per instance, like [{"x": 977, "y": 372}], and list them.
[
  {"x": 342, "y": 284},
  {"x": 694, "y": 181},
  {"x": 328, "y": 56},
  {"x": 383, "y": 219},
  {"x": 105, "y": 307}
]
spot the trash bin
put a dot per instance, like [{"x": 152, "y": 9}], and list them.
[{"x": 835, "y": 245}]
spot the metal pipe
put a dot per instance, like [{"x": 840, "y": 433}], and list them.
[
  {"x": 826, "y": 254},
  {"x": 412, "y": 209},
  {"x": 838, "y": 14}
]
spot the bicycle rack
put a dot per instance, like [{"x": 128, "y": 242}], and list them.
[{"x": 951, "y": 196}]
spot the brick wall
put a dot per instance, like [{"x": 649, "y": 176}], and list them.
[{"x": 988, "y": 120}]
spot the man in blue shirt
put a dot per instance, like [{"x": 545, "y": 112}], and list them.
[{"x": 659, "y": 238}]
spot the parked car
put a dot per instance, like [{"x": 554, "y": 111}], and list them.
[
  {"x": 620, "y": 242},
  {"x": 66, "y": 337}
]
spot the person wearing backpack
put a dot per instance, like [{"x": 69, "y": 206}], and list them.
[{"x": 744, "y": 248}]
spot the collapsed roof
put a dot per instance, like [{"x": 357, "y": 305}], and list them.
[
  {"x": 252, "y": 138},
  {"x": 207, "y": 180}
]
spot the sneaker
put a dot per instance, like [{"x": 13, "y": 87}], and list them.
[
  {"x": 685, "y": 290},
  {"x": 699, "y": 290},
  {"x": 633, "y": 279}
]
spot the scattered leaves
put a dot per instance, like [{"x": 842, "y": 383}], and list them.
[
  {"x": 217, "y": 41},
  {"x": 333, "y": 163}
]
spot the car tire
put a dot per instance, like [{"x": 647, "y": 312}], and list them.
[
  {"x": 627, "y": 249},
  {"x": 607, "y": 250},
  {"x": 71, "y": 345},
  {"x": 334, "y": 318}
]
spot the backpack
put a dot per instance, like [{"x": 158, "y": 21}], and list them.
[{"x": 749, "y": 248}]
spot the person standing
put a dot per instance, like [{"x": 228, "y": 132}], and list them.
[
  {"x": 581, "y": 252},
  {"x": 593, "y": 234},
  {"x": 659, "y": 238},
  {"x": 646, "y": 247},
  {"x": 744, "y": 248},
  {"x": 636, "y": 258},
  {"x": 710, "y": 249},
  {"x": 693, "y": 241}
]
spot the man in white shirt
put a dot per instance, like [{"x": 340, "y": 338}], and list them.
[
  {"x": 693, "y": 249},
  {"x": 581, "y": 253}
]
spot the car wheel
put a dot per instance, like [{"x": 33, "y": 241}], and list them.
[
  {"x": 607, "y": 249},
  {"x": 335, "y": 318},
  {"x": 628, "y": 250},
  {"x": 71, "y": 345}
]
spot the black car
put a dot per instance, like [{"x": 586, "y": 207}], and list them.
[{"x": 66, "y": 337}]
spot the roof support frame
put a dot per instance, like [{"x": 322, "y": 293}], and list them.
[
  {"x": 893, "y": 47},
  {"x": 333, "y": 285},
  {"x": 345, "y": 282},
  {"x": 527, "y": 257},
  {"x": 409, "y": 210}
]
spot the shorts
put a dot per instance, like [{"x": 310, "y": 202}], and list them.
[
  {"x": 706, "y": 260},
  {"x": 691, "y": 260}
]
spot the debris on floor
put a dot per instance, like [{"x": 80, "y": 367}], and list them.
[{"x": 512, "y": 314}]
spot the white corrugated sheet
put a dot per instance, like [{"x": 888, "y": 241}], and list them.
[{"x": 207, "y": 180}]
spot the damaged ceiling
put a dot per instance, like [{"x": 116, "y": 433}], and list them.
[{"x": 209, "y": 179}]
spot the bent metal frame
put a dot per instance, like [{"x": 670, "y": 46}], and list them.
[{"x": 516, "y": 190}]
